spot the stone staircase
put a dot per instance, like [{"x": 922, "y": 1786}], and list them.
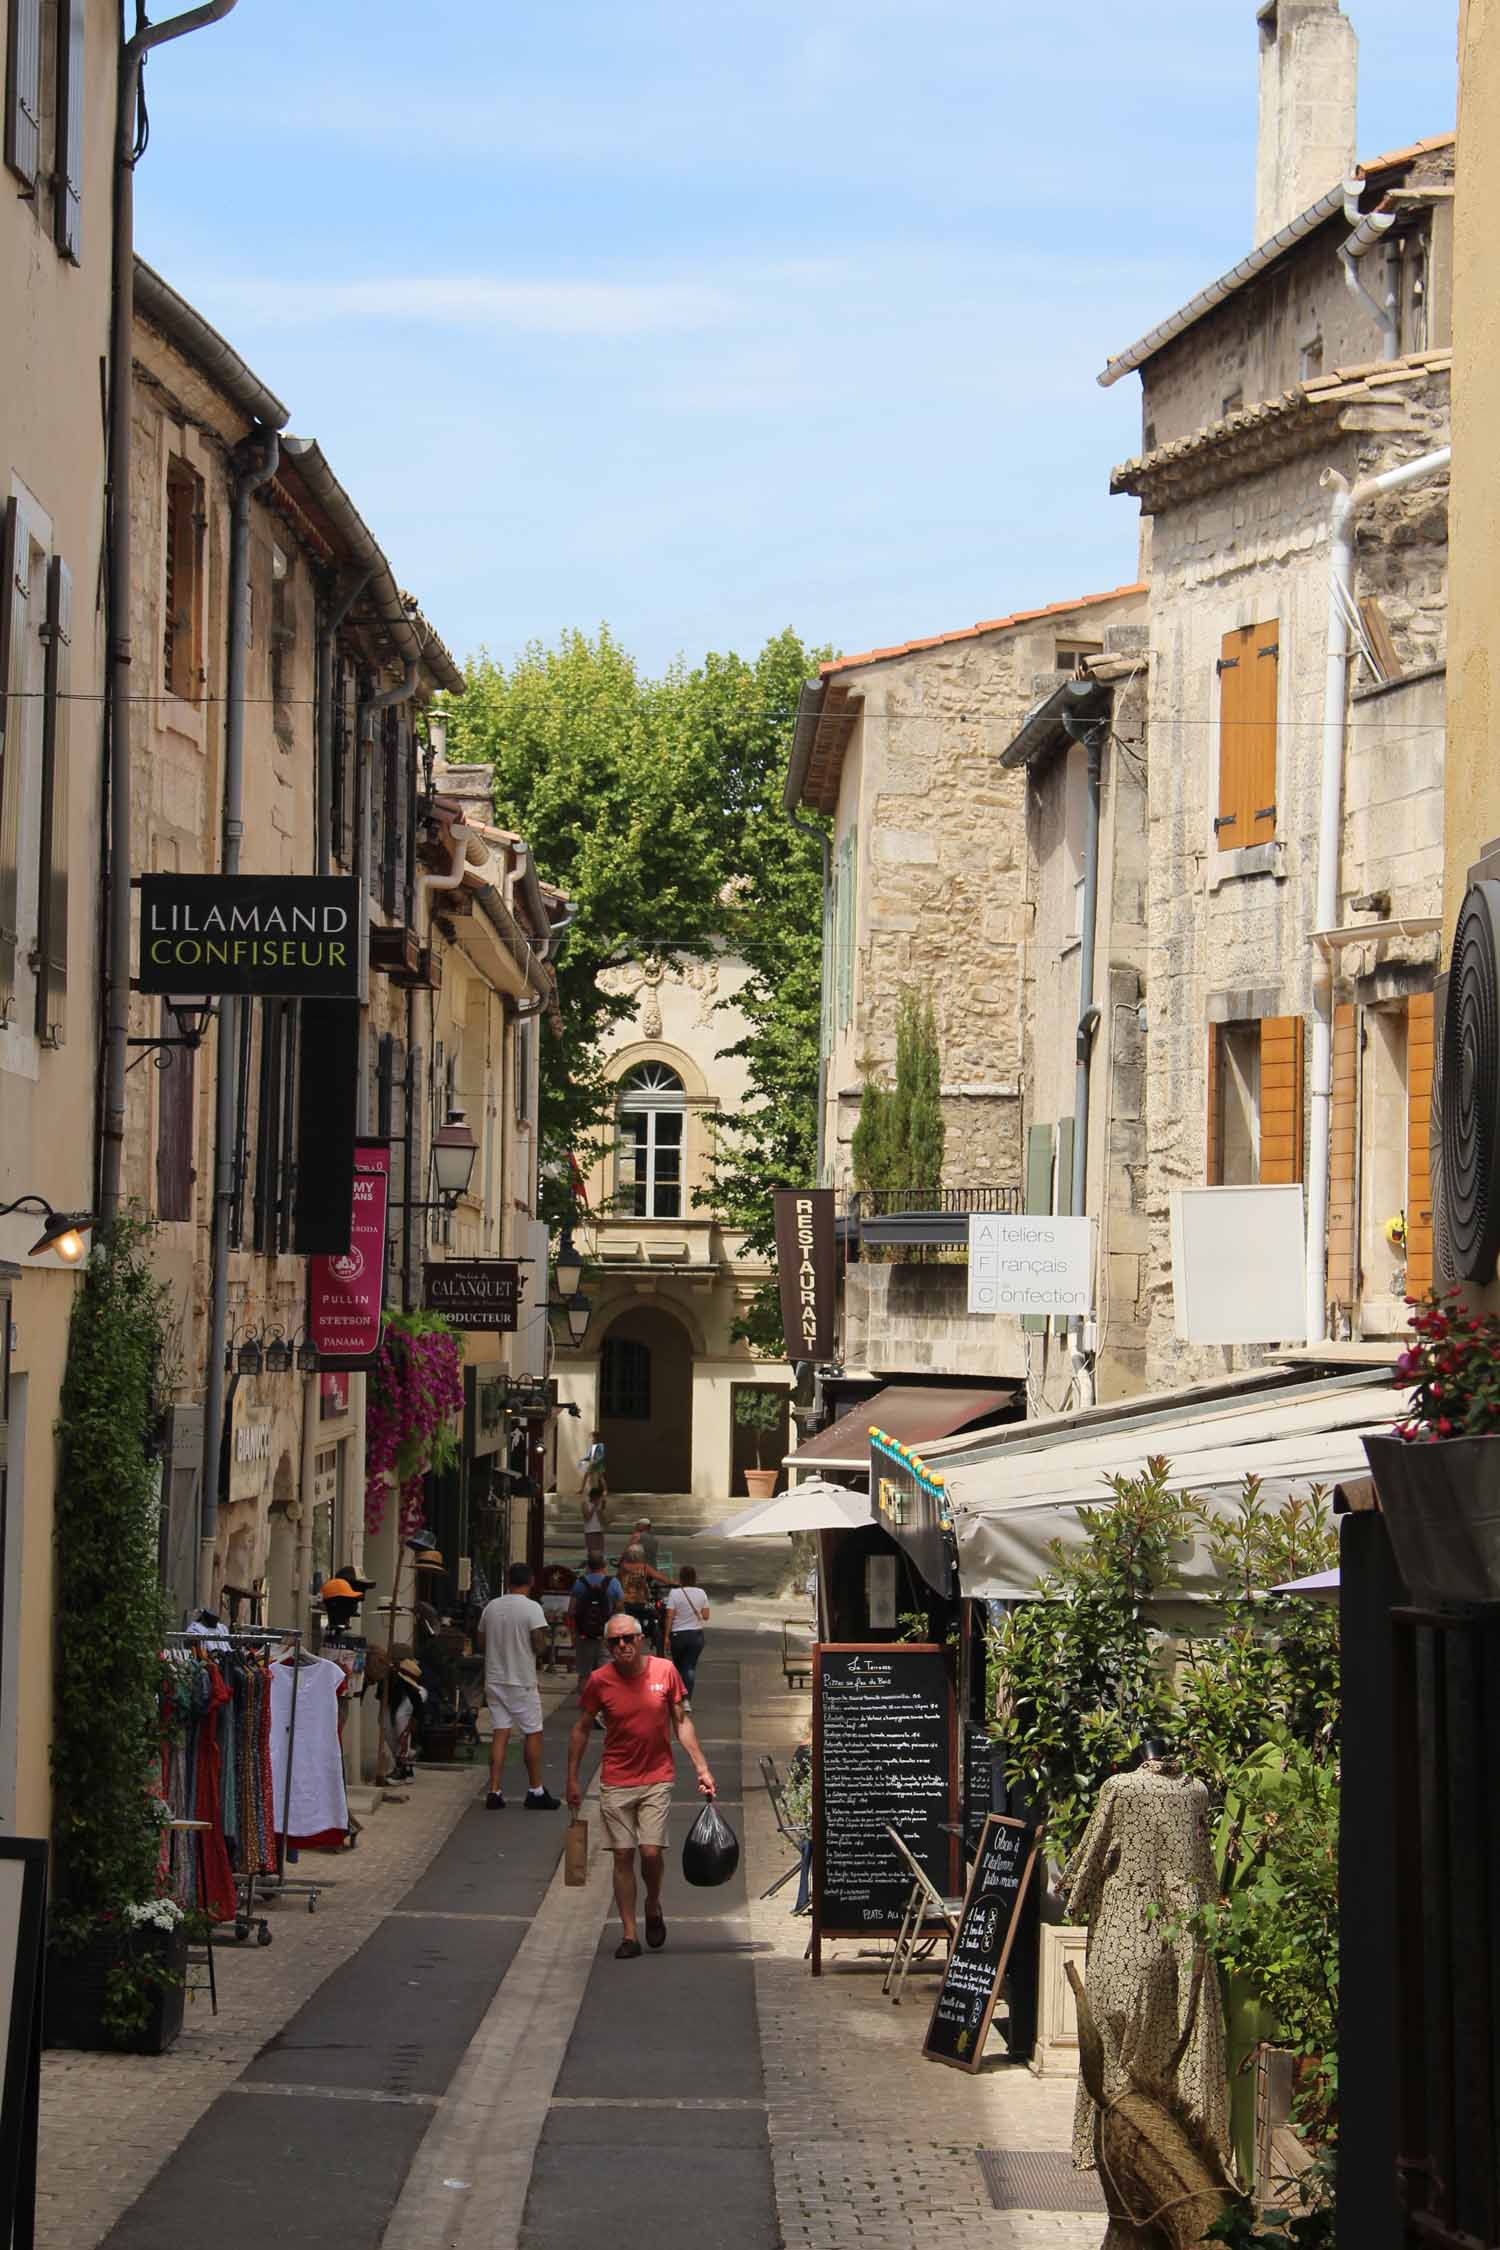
[{"x": 757, "y": 1569}]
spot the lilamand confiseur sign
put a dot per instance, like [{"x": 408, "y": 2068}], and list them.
[{"x": 283, "y": 936}]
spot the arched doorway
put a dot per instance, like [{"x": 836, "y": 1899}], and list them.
[{"x": 646, "y": 1402}]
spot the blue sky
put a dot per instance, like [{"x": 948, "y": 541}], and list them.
[{"x": 709, "y": 319}]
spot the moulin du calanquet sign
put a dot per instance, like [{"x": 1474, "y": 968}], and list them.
[{"x": 284, "y": 936}]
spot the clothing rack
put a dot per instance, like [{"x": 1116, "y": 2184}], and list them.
[{"x": 252, "y": 1886}]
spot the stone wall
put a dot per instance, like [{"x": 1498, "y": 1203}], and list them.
[{"x": 914, "y": 1318}]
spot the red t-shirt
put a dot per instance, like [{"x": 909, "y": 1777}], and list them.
[{"x": 637, "y": 1721}]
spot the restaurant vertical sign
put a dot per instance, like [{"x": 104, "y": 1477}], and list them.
[
  {"x": 345, "y": 1294},
  {"x": 806, "y": 1270}
]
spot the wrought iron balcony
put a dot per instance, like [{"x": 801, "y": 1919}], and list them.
[{"x": 913, "y": 1215}]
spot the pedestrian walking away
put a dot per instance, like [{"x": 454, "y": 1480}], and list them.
[
  {"x": 513, "y": 1628},
  {"x": 644, "y": 1538},
  {"x": 640, "y": 1578},
  {"x": 593, "y": 1502},
  {"x": 595, "y": 1598},
  {"x": 687, "y": 1614},
  {"x": 640, "y": 1698}
]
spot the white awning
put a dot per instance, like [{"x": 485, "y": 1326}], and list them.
[{"x": 1012, "y": 1503}]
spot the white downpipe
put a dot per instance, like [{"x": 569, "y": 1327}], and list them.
[
  {"x": 1347, "y": 501},
  {"x": 464, "y": 846}
]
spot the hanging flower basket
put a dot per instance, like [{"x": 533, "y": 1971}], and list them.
[
  {"x": 1438, "y": 1473},
  {"x": 414, "y": 1396}
]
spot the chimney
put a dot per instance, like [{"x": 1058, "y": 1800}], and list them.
[{"x": 1309, "y": 67}]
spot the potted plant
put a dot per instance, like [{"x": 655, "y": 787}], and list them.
[
  {"x": 759, "y": 1411},
  {"x": 1438, "y": 1472}
]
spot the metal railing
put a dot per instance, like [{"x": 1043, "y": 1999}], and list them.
[{"x": 950, "y": 1202}]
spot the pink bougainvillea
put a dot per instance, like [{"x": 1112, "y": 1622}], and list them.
[{"x": 414, "y": 1395}]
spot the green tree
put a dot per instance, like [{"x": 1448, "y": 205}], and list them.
[{"x": 899, "y": 1137}]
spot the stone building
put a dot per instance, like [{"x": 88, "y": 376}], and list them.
[
  {"x": 1295, "y": 797},
  {"x": 340, "y": 665},
  {"x": 902, "y": 749},
  {"x": 58, "y": 69},
  {"x": 659, "y": 1371}
]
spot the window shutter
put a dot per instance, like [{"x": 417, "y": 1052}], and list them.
[
  {"x": 67, "y": 217},
  {"x": 23, "y": 88},
  {"x": 390, "y": 810},
  {"x": 1038, "y": 1192},
  {"x": 14, "y": 597},
  {"x": 174, "y": 1128},
  {"x": 327, "y": 1086},
  {"x": 52, "y": 853},
  {"x": 1248, "y": 670},
  {"x": 1280, "y": 1100},
  {"x": 1419, "y": 1261},
  {"x": 1343, "y": 1211},
  {"x": 1214, "y": 1162},
  {"x": 846, "y": 928},
  {"x": 1062, "y": 1198}
]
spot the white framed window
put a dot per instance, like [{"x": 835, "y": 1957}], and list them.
[{"x": 653, "y": 1117}]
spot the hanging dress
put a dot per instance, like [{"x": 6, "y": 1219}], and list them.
[{"x": 317, "y": 1815}]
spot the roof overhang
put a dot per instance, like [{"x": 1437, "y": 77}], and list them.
[
  {"x": 158, "y": 303},
  {"x": 826, "y": 715}
]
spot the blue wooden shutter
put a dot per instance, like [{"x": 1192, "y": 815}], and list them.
[
  {"x": 1038, "y": 1199},
  {"x": 52, "y": 847},
  {"x": 67, "y": 214},
  {"x": 23, "y": 88}
]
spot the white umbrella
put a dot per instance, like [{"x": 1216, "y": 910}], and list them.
[
  {"x": 1322, "y": 1586},
  {"x": 814, "y": 1506}
]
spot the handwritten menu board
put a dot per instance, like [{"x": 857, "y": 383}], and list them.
[
  {"x": 885, "y": 1752},
  {"x": 986, "y": 1933},
  {"x": 979, "y": 1784}
]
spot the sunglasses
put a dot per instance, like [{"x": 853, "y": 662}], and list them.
[{"x": 623, "y": 1640}]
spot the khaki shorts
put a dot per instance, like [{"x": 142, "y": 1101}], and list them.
[{"x": 636, "y": 1816}]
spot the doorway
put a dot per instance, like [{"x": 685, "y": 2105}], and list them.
[{"x": 646, "y": 1402}]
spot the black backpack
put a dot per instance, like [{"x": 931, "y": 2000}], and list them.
[{"x": 593, "y": 1610}]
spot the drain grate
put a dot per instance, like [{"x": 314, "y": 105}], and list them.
[{"x": 1038, "y": 2179}]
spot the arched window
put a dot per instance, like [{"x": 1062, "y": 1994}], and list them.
[{"x": 653, "y": 1111}]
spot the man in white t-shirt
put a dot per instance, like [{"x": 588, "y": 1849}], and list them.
[{"x": 513, "y": 1628}]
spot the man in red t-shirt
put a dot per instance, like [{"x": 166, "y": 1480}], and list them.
[{"x": 640, "y": 1699}]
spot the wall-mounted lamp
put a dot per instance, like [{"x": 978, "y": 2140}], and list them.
[
  {"x": 62, "y": 1231},
  {"x": 192, "y": 1013},
  {"x": 454, "y": 1150},
  {"x": 567, "y": 1267},
  {"x": 578, "y": 1311},
  {"x": 278, "y": 1353}
]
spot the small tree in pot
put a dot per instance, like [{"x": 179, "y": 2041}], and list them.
[
  {"x": 759, "y": 1411},
  {"x": 1438, "y": 1473}
]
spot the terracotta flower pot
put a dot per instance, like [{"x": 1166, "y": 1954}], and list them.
[
  {"x": 1441, "y": 1504},
  {"x": 760, "y": 1483}
]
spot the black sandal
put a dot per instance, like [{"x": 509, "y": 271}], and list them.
[{"x": 628, "y": 1949}]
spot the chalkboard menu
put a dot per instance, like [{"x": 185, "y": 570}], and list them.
[
  {"x": 992, "y": 1912},
  {"x": 979, "y": 1784},
  {"x": 885, "y": 1753}
]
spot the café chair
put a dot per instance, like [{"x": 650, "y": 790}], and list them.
[
  {"x": 929, "y": 1919},
  {"x": 794, "y": 1834}
]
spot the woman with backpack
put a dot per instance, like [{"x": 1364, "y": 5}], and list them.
[{"x": 593, "y": 1602}]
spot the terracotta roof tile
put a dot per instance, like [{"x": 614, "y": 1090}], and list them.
[
  {"x": 1405, "y": 155},
  {"x": 987, "y": 625}
]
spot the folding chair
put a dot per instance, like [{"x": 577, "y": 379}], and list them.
[
  {"x": 796, "y": 1836},
  {"x": 927, "y": 1919}
]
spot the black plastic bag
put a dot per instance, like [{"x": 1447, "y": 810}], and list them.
[{"x": 710, "y": 1850}]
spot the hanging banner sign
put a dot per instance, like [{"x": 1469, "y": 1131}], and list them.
[
  {"x": 806, "y": 1265},
  {"x": 345, "y": 1294},
  {"x": 1038, "y": 1264},
  {"x": 284, "y": 936},
  {"x": 474, "y": 1292}
]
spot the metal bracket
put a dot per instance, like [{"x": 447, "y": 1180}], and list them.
[{"x": 1226, "y": 663}]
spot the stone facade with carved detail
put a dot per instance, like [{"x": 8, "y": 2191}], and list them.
[{"x": 658, "y": 1373}]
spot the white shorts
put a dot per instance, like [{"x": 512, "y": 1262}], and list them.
[{"x": 517, "y": 1707}]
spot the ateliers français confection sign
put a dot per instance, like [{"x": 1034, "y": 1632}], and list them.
[{"x": 282, "y": 936}]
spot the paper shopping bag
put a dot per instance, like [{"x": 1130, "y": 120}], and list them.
[{"x": 576, "y": 1854}]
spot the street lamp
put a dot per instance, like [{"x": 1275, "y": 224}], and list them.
[
  {"x": 250, "y": 1359},
  {"x": 62, "y": 1231},
  {"x": 578, "y": 1310},
  {"x": 278, "y": 1353},
  {"x": 568, "y": 1266},
  {"x": 192, "y": 1013},
  {"x": 454, "y": 1149}
]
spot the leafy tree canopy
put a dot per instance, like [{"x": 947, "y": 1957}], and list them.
[{"x": 656, "y": 805}]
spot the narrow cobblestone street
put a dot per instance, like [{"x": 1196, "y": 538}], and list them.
[{"x": 444, "y": 2052}]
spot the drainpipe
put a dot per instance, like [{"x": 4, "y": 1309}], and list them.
[
  {"x": 403, "y": 692},
  {"x": 121, "y": 401},
  {"x": 1370, "y": 228},
  {"x": 1347, "y": 502},
  {"x": 332, "y": 618},
  {"x": 1085, "y": 717},
  {"x": 259, "y": 466}
]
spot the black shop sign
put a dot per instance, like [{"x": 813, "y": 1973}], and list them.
[
  {"x": 475, "y": 1293},
  {"x": 283, "y": 936},
  {"x": 885, "y": 1754}
]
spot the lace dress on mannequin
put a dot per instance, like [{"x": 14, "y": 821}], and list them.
[{"x": 1147, "y": 1845}]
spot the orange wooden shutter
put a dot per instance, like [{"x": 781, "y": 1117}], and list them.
[
  {"x": 1280, "y": 1100},
  {"x": 1215, "y": 1106},
  {"x": 1343, "y": 1217},
  {"x": 1418, "y": 1174},
  {"x": 1248, "y": 659}
]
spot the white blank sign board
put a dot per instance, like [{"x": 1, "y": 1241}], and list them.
[{"x": 1238, "y": 1265}]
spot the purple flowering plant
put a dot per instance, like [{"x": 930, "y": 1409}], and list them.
[
  {"x": 413, "y": 1400},
  {"x": 1453, "y": 1367}
]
